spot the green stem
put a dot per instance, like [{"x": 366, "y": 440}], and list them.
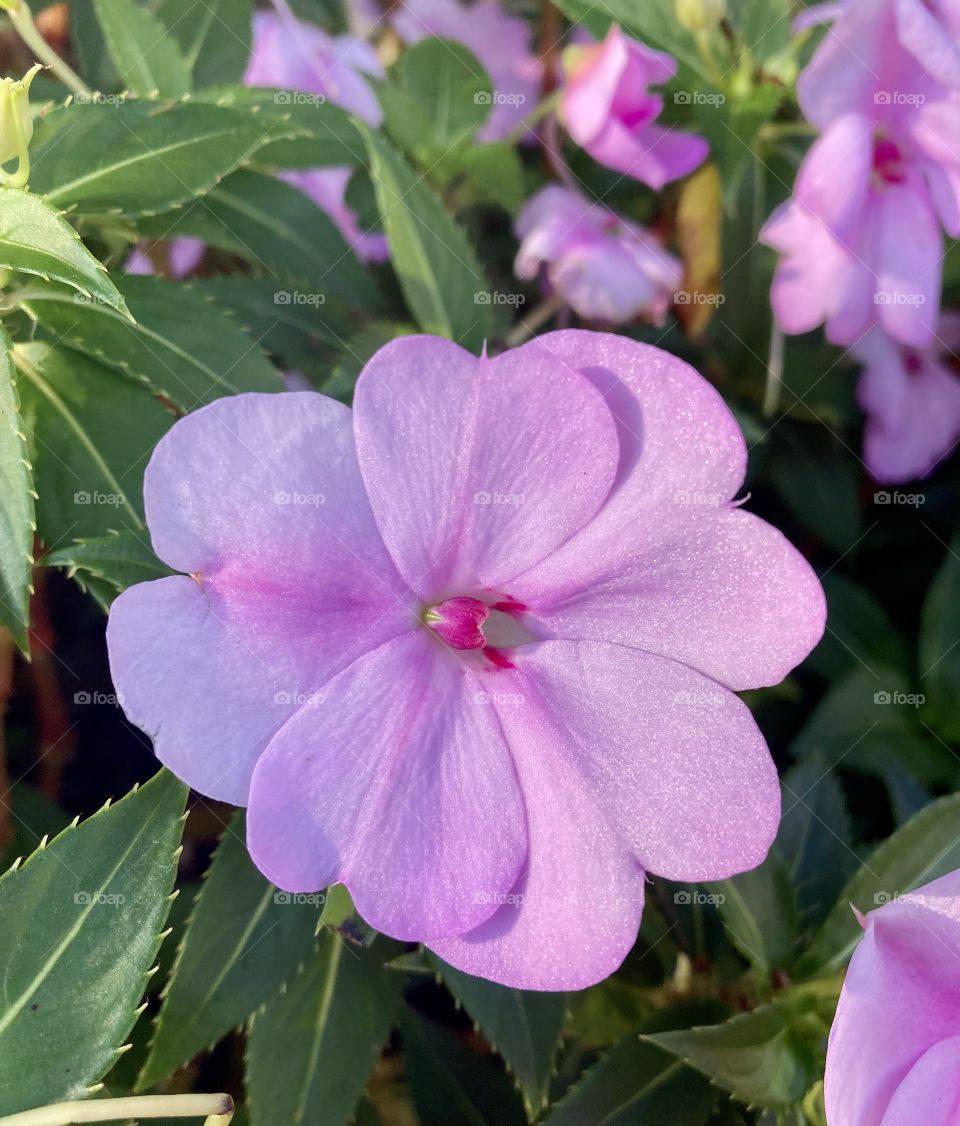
[
  {"x": 218, "y": 1108},
  {"x": 22, "y": 20}
]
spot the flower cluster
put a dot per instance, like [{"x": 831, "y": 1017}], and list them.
[{"x": 861, "y": 241}]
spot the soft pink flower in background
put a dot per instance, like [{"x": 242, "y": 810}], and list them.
[
  {"x": 295, "y": 55},
  {"x": 604, "y": 267},
  {"x": 861, "y": 239},
  {"x": 500, "y": 42},
  {"x": 609, "y": 111},
  {"x": 183, "y": 257},
  {"x": 498, "y": 796},
  {"x": 894, "y": 1052},
  {"x": 912, "y": 402}
]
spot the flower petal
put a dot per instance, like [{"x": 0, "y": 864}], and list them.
[
  {"x": 898, "y": 1000},
  {"x": 573, "y": 915},
  {"x": 398, "y": 783},
  {"x": 930, "y": 1093},
  {"x": 494, "y": 462},
  {"x": 258, "y": 496},
  {"x": 666, "y": 565},
  {"x": 675, "y": 759}
]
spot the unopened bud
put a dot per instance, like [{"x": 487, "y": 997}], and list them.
[
  {"x": 16, "y": 124},
  {"x": 700, "y": 15}
]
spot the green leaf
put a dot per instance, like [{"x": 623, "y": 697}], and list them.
[
  {"x": 814, "y": 839},
  {"x": 36, "y": 239},
  {"x": 141, "y": 157},
  {"x": 243, "y": 940},
  {"x": 145, "y": 54},
  {"x": 282, "y": 232},
  {"x": 768, "y": 1057},
  {"x": 298, "y": 336},
  {"x": 438, "y": 97},
  {"x": 17, "y": 517},
  {"x": 311, "y": 1049},
  {"x": 939, "y": 651},
  {"x": 926, "y": 847},
  {"x": 90, "y": 55},
  {"x": 637, "y": 1084},
  {"x": 91, "y": 433},
  {"x": 523, "y": 1026},
  {"x": 81, "y": 922},
  {"x": 118, "y": 560},
  {"x": 320, "y": 133},
  {"x": 183, "y": 346},
  {"x": 452, "y": 1084},
  {"x": 437, "y": 269},
  {"x": 759, "y": 913},
  {"x": 214, "y": 37},
  {"x": 858, "y": 629},
  {"x": 762, "y": 26}
]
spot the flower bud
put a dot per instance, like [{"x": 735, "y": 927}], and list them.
[
  {"x": 16, "y": 124},
  {"x": 700, "y": 15}
]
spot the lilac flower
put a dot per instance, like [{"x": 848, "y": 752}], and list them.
[
  {"x": 299, "y": 56},
  {"x": 500, "y": 42},
  {"x": 912, "y": 401},
  {"x": 605, "y": 268},
  {"x": 862, "y": 240},
  {"x": 895, "y": 1041},
  {"x": 608, "y": 110},
  {"x": 472, "y": 647}
]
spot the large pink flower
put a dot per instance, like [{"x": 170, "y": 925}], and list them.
[
  {"x": 500, "y": 42},
  {"x": 894, "y": 1046},
  {"x": 472, "y": 648},
  {"x": 608, "y": 110},
  {"x": 912, "y": 401},
  {"x": 604, "y": 267},
  {"x": 298, "y": 56}
]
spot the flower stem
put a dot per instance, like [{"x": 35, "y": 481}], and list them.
[
  {"x": 544, "y": 107},
  {"x": 771, "y": 396},
  {"x": 218, "y": 1108},
  {"x": 524, "y": 330},
  {"x": 22, "y": 20}
]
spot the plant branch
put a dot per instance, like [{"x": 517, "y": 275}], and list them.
[{"x": 218, "y": 1108}]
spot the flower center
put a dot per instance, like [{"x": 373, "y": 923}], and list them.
[
  {"x": 887, "y": 161},
  {"x": 458, "y": 620}
]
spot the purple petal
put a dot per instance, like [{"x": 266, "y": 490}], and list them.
[
  {"x": 396, "y": 781},
  {"x": 495, "y": 462}
]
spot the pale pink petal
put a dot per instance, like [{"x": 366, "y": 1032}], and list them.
[
  {"x": 927, "y": 34},
  {"x": 675, "y": 760},
  {"x": 653, "y": 154},
  {"x": 835, "y": 175},
  {"x": 573, "y": 915},
  {"x": 499, "y": 461},
  {"x": 589, "y": 93},
  {"x": 931, "y": 1090},
  {"x": 397, "y": 782}
]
